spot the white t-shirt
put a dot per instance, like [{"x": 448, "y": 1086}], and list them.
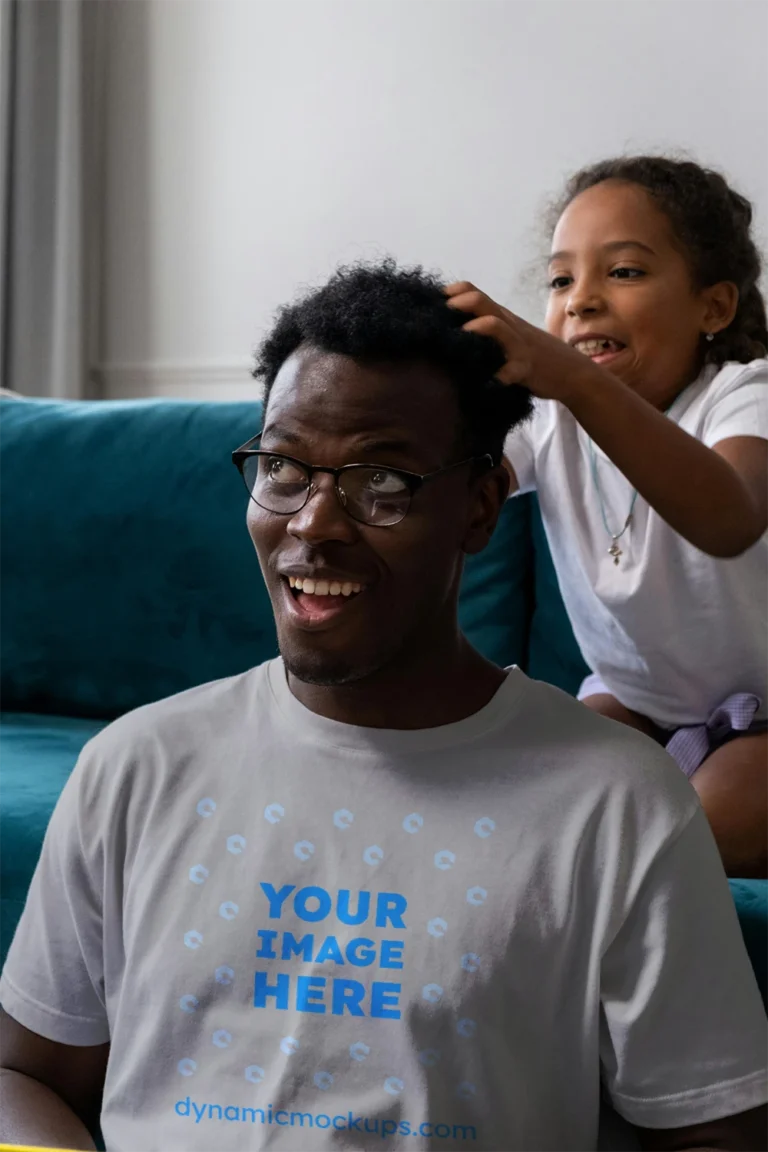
[
  {"x": 670, "y": 630},
  {"x": 297, "y": 933}
]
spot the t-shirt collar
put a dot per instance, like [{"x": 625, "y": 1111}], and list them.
[{"x": 308, "y": 726}]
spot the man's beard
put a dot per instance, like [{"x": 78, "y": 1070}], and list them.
[
  {"x": 327, "y": 671},
  {"x": 384, "y": 654}
]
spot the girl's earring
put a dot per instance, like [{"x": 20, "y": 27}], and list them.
[{"x": 710, "y": 336}]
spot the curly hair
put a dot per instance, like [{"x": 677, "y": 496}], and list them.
[
  {"x": 381, "y": 313},
  {"x": 712, "y": 224}
]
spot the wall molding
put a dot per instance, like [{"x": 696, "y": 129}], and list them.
[{"x": 193, "y": 381}]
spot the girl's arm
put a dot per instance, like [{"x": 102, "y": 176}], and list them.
[{"x": 715, "y": 498}]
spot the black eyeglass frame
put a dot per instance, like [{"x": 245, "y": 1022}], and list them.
[{"x": 412, "y": 480}]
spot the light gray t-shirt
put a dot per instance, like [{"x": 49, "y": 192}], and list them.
[{"x": 305, "y": 935}]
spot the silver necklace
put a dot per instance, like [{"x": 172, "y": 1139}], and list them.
[{"x": 614, "y": 550}]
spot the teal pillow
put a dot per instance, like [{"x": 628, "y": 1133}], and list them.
[
  {"x": 128, "y": 573},
  {"x": 496, "y": 594},
  {"x": 553, "y": 654}
]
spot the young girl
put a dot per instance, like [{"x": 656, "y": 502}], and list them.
[{"x": 648, "y": 451}]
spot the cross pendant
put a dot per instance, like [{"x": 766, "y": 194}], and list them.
[{"x": 615, "y": 551}]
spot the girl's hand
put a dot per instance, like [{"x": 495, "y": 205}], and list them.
[
  {"x": 550, "y": 368},
  {"x": 713, "y": 497}
]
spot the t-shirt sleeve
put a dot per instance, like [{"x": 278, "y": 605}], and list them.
[
  {"x": 682, "y": 1035},
  {"x": 53, "y": 979},
  {"x": 742, "y": 410}
]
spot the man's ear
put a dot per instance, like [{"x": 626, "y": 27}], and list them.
[{"x": 489, "y": 494}]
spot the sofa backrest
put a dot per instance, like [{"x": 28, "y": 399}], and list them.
[
  {"x": 553, "y": 654},
  {"x": 127, "y": 571}
]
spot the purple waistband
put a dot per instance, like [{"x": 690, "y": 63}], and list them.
[{"x": 691, "y": 745}]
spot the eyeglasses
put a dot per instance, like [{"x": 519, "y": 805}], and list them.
[{"x": 371, "y": 495}]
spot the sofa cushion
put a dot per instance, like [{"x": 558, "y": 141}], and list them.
[
  {"x": 128, "y": 574},
  {"x": 37, "y": 754},
  {"x": 553, "y": 654},
  {"x": 751, "y": 898}
]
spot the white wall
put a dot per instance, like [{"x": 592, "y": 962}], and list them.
[{"x": 253, "y": 145}]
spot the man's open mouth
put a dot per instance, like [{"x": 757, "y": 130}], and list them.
[
  {"x": 324, "y": 587},
  {"x": 317, "y": 601}
]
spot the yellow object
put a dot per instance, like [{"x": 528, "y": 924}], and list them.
[{"x": 31, "y": 1148}]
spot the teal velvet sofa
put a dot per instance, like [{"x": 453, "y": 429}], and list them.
[{"x": 127, "y": 575}]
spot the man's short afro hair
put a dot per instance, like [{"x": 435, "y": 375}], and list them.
[{"x": 380, "y": 313}]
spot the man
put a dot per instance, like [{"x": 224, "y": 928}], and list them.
[{"x": 380, "y": 892}]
